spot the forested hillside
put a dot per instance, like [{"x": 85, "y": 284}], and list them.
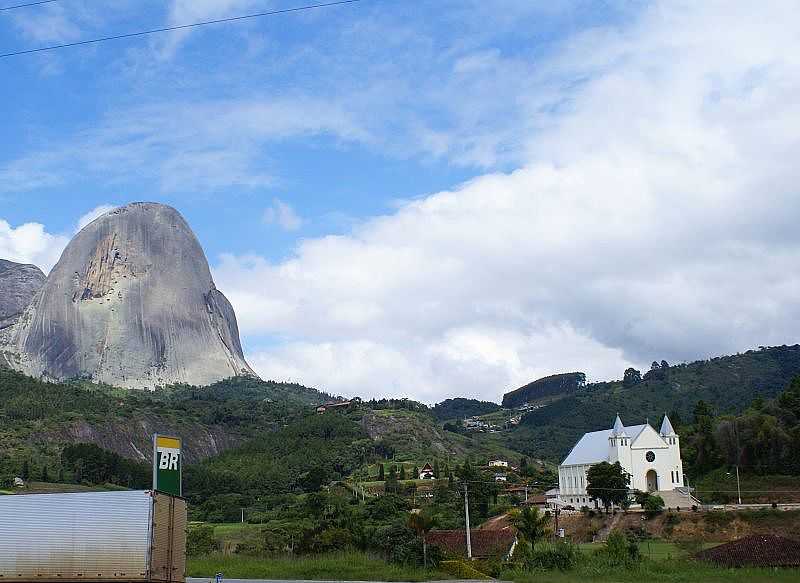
[
  {"x": 727, "y": 384},
  {"x": 38, "y": 419},
  {"x": 557, "y": 384},
  {"x": 460, "y": 408}
]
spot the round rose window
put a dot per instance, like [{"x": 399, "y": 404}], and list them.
[{"x": 650, "y": 456}]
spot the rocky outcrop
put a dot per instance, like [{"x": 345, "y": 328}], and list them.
[
  {"x": 134, "y": 439},
  {"x": 18, "y": 285},
  {"x": 131, "y": 303}
]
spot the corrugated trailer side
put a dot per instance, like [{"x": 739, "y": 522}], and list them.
[
  {"x": 93, "y": 536},
  {"x": 168, "y": 558}
]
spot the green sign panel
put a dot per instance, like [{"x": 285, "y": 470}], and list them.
[{"x": 167, "y": 463}]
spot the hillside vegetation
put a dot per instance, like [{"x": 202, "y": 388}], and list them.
[
  {"x": 38, "y": 419},
  {"x": 460, "y": 408},
  {"x": 727, "y": 384},
  {"x": 557, "y": 384}
]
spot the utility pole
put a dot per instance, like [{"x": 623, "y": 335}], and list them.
[
  {"x": 738, "y": 485},
  {"x": 555, "y": 531},
  {"x": 242, "y": 515},
  {"x": 466, "y": 514}
]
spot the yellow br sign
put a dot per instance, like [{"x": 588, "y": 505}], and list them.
[{"x": 167, "y": 464}]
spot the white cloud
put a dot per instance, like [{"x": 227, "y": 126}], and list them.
[
  {"x": 283, "y": 215},
  {"x": 30, "y": 243},
  {"x": 654, "y": 217},
  {"x": 182, "y": 12},
  {"x": 93, "y": 214},
  {"x": 49, "y": 23},
  {"x": 189, "y": 147}
]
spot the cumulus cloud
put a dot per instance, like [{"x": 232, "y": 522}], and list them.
[
  {"x": 30, "y": 243},
  {"x": 283, "y": 215},
  {"x": 93, "y": 214},
  {"x": 653, "y": 217}
]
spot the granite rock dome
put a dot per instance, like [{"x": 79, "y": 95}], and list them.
[{"x": 131, "y": 302}]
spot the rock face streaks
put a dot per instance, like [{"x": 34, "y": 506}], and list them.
[
  {"x": 18, "y": 284},
  {"x": 131, "y": 303}
]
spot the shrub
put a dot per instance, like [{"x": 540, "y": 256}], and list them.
[
  {"x": 560, "y": 555},
  {"x": 672, "y": 519},
  {"x": 619, "y": 551},
  {"x": 653, "y": 505},
  {"x": 200, "y": 540},
  {"x": 690, "y": 546}
]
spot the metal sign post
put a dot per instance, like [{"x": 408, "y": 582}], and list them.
[{"x": 167, "y": 464}]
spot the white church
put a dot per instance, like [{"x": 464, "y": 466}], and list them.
[{"x": 651, "y": 458}]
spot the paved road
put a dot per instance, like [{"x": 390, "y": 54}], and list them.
[{"x": 206, "y": 580}]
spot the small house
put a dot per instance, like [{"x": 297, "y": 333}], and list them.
[{"x": 426, "y": 473}]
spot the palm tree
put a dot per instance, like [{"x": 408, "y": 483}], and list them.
[
  {"x": 531, "y": 524},
  {"x": 422, "y": 524}
]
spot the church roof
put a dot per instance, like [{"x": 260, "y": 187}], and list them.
[
  {"x": 666, "y": 427},
  {"x": 619, "y": 429},
  {"x": 593, "y": 447}
]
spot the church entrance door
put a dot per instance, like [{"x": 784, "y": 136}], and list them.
[{"x": 652, "y": 481}]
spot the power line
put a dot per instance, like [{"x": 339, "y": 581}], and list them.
[
  {"x": 4, "y": 8},
  {"x": 179, "y": 27}
]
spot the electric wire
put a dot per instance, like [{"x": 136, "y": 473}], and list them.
[
  {"x": 179, "y": 27},
  {"x": 27, "y": 4}
]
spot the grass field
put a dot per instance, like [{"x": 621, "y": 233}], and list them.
[
  {"x": 342, "y": 567},
  {"x": 658, "y": 572},
  {"x": 655, "y": 550},
  {"x": 665, "y": 567}
]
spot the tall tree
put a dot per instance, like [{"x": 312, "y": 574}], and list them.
[
  {"x": 392, "y": 486},
  {"x": 631, "y": 377},
  {"x": 531, "y": 524},
  {"x": 421, "y": 523},
  {"x": 608, "y": 483}
]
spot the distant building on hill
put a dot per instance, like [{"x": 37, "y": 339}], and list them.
[
  {"x": 651, "y": 458},
  {"x": 426, "y": 473},
  {"x": 337, "y": 406},
  {"x": 498, "y": 464}
]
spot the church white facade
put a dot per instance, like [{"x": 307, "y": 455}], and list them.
[{"x": 651, "y": 458}]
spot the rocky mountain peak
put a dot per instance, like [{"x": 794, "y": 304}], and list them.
[
  {"x": 131, "y": 302},
  {"x": 19, "y": 283}
]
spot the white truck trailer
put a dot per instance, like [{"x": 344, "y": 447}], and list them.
[{"x": 131, "y": 536}]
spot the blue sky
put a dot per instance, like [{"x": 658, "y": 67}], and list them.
[
  {"x": 358, "y": 69},
  {"x": 431, "y": 197}
]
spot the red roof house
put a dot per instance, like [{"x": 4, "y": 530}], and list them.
[
  {"x": 755, "y": 551},
  {"x": 485, "y": 543}
]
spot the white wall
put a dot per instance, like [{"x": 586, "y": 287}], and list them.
[{"x": 633, "y": 458}]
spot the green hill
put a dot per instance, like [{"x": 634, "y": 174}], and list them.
[
  {"x": 728, "y": 384},
  {"x": 553, "y": 385},
  {"x": 460, "y": 408},
  {"x": 37, "y": 419}
]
